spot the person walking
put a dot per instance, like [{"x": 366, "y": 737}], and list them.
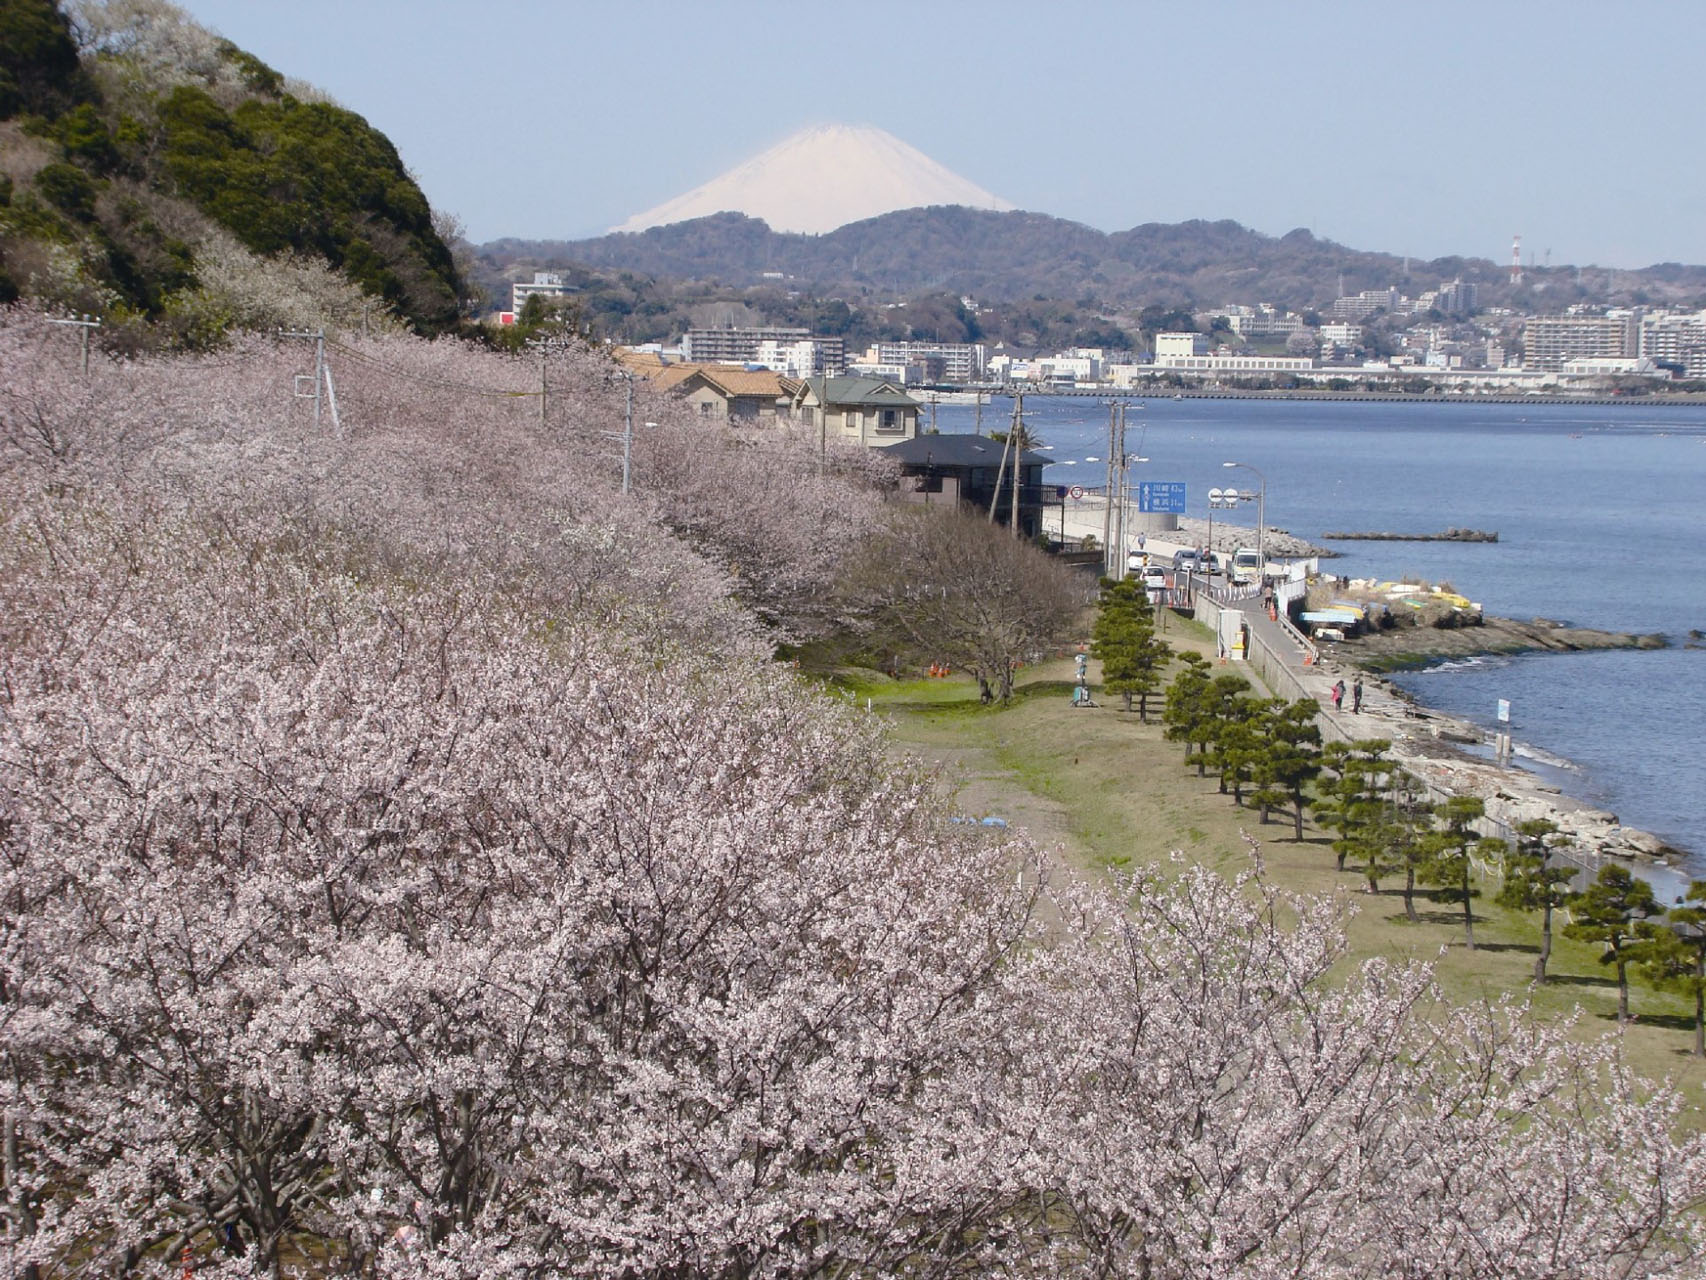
[
  {"x": 1356, "y": 695},
  {"x": 1338, "y": 693}
]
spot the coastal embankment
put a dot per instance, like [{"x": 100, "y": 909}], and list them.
[{"x": 1451, "y": 755}]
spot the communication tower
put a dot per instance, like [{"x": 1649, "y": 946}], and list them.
[{"x": 1516, "y": 258}]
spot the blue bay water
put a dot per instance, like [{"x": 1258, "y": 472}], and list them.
[{"x": 1601, "y": 516}]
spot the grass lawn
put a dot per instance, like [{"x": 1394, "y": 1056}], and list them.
[{"x": 1109, "y": 791}]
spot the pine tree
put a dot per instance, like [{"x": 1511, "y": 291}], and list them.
[
  {"x": 1186, "y": 713},
  {"x": 1123, "y": 640},
  {"x": 1447, "y": 851},
  {"x": 1534, "y": 883},
  {"x": 1607, "y": 912},
  {"x": 1227, "y": 705},
  {"x": 1245, "y": 740},
  {"x": 1673, "y": 956},
  {"x": 1348, "y": 798},
  {"x": 1291, "y": 762}
]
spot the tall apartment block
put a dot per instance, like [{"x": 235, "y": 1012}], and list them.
[{"x": 746, "y": 346}]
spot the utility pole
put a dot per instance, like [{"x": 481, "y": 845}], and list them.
[
  {"x": 626, "y": 436},
  {"x": 322, "y": 375},
  {"x": 1118, "y": 550},
  {"x": 628, "y": 441},
  {"x": 1006, "y": 448},
  {"x": 1108, "y": 507},
  {"x": 85, "y": 323},
  {"x": 332, "y": 400},
  {"x": 1017, "y": 440},
  {"x": 541, "y": 344}
]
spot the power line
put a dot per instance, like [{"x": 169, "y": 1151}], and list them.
[{"x": 425, "y": 380}]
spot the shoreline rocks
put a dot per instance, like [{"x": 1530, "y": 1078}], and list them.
[
  {"x": 1434, "y": 747},
  {"x": 1442, "y": 749}
]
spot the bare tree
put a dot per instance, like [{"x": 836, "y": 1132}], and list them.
[{"x": 949, "y": 588}]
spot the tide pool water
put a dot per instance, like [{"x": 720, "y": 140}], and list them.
[{"x": 1601, "y": 517}]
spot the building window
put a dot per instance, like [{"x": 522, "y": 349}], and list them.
[
  {"x": 888, "y": 420},
  {"x": 706, "y": 408}
]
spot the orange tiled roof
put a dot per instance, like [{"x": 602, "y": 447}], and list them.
[
  {"x": 639, "y": 359},
  {"x": 671, "y": 376},
  {"x": 735, "y": 381}
]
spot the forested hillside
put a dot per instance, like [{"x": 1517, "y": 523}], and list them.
[{"x": 174, "y": 185}]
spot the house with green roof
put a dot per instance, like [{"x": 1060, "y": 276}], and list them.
[{"x": 867, "y": 411}]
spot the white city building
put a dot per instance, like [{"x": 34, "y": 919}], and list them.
[{"x": 1172, "y": 346}]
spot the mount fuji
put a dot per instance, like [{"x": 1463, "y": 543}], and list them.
[{"x": 822, "y": 178}]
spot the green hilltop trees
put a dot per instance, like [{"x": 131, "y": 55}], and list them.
[
  {"x": 310, "y": 177},
  {"x": 164, "y": 141}
]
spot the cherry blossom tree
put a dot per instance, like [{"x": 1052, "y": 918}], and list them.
[{"x": 411, "y": 866}]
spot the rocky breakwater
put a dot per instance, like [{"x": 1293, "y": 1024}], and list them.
[
  {"x": 1450, "y": 535},
  {"x": 1422, "y": 641}
]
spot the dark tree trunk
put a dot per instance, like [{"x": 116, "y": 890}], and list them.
[
  {"x": 1545, "y": 941},
  {"x": 1468, "y": 908},
  {"x": 1700, "y": 1008}
]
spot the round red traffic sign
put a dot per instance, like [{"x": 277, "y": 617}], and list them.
[{"x": 1077, "y": 492}]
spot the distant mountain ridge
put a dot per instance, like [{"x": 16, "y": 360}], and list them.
[
  {"x": 992, "y": 254},
  {"x": 996, "y": 255}
]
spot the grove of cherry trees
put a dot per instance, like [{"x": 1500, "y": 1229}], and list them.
[{"x": 413, "y": 864}]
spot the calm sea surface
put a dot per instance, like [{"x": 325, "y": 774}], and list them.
[{"x": 1601, "y": 516}]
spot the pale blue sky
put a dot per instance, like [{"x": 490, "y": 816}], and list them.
[{"x": 1421, "y": 129}]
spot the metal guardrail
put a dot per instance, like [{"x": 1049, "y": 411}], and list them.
[{"x": 1312, "y": 654}]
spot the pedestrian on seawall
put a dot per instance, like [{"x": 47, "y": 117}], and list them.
[{"x": 1356, "y": 695}]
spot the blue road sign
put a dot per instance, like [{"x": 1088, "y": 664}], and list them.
[{"x": 1165, "y": 496}]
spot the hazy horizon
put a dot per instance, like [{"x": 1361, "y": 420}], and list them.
[{"x": 1381, "y": 132}]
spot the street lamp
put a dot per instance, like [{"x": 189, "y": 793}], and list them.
[
  {"x": 1261, "y": 516},
  {"x": 1221, "y": 498}
]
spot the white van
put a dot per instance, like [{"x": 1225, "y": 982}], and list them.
[{"x": 1246, "y": 565}]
